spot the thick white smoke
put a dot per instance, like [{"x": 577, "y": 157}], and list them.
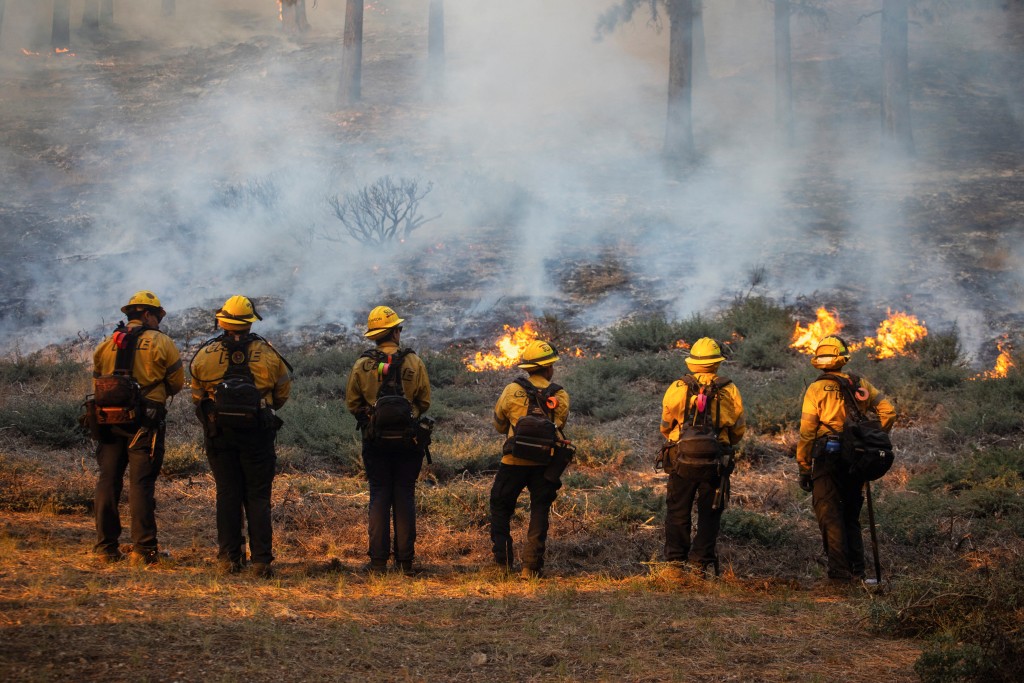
[{"x": 197, "y": 152}]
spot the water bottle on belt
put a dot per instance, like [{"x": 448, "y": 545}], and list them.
[{"x": 833, "y": 446}]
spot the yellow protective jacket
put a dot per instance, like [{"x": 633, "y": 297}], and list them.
[
  {"x": 269, "y": 372},
  {"x": 156, "y": 367},
  {"x": 363, "y": 382},
  {"x": 728, "y": 401},
  {"x": 824, "y": 409},
  {"x": 514, "y": 404}
]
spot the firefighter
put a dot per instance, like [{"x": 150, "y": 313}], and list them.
[
  {"x": 836, "y": 491},
  {"x": 239, "y": 381},
  {"x": 702, "y": 419},
  {"x": 137, "y": 446},
  {"x": 516, "y": 473},
  {"x": 388, "y": 393}
]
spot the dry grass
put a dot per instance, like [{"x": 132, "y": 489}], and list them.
[
  {"x": 606, "y": 613},
  {"x": 65, "y": 617}
]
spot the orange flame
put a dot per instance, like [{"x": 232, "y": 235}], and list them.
[
  {"x": 510, "y": 347},
  {"x": 806, "y": 338},
  {"x": 1003, "y": 363},
  {"x": 682, "y": 344},
  {"x": 895, "y": 334},
  {"x": 29, "y": 53}
]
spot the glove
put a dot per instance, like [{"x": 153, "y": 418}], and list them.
[{"x": 806, "y": 483}]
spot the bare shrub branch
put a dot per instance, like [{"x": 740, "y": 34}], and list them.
[{"x": 382, "y": 212}]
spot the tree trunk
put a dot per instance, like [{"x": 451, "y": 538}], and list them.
[
  {"x": 107, "y": 12},
  {"x": 679, "y": 124},
  {"x": 435, "y": 45},
  {"x": 897, "y": 134},
  {"x": 352, "y": 53},
  {"x": 301, "y": 22},
  {"x": 91, "y": 15},
  {"x": 783, "y": 72},
  {"x": 167, "y": 8},
  {"x": 701, "y": 73},
  {"x": 3, "y": 6},
  {"x": 60, "y": 33}
]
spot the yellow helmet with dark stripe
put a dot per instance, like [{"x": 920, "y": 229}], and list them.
[
  {"x": 537, "y": 354},
  {"x": 237, "y": 312},
  {"x": 831, "y": 353},
  {"x": 704, "y": 352}
]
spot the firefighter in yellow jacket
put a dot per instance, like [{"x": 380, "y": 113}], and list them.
[
  {"x": 388, "y": 393},
  {"x": 515, "y": 473},
  {"x": 137, "y": 446},
  {"x": 702, "y": 419},
  {"x": 239, "y": 381},
  {"x": 836, "y": 491}
]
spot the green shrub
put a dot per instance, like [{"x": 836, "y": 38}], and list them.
[
  {"x": 324, "y": 374},
  {"x": 444, "y": 369},
  {"x": 771, "y": 400},
  {"x": 622, "y": 504},
  {"x": 33, "y": 369},
  {"x": 459, "y": 504},
  {"x": 323, "y": 429},
  {"x": 575, "y": 479},
  {"x": 642, "y": 335},
  {"x": 758, "y": 315},
  {"x": 184, "y": 459},
  {"x": 655, "y": 333},
  {"x": 600, "y": 386},
  {"x": 971, "y": 615},
  {"x": 985, "y": 407},
  {"x": 753, "y": 527},
  {"x": 913, "y": 519},
  {"x": 463, "y": 454},
  {"x": 50, "y": 421},
  {"x": 599, "y": 450}
]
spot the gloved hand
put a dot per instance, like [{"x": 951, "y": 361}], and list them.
[{"x": 806, "y": 483}]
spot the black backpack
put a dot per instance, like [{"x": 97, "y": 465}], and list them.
[
  {"x": 391, "y": 424},
  {"x": 698, "y": 444},
  {"x": 118, "y": 396},
  {"x": 237, "y": 401},
  {"x": 535, "y": 435},
  {"x": 866, "y": 447}
]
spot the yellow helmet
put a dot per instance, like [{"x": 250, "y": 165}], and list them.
[
  {"x": 237, "y": 312},
  {"x": 380, "y": 321},
  {"x": 704, "y": 352},
  {"x": 831, "y": 354},
  {"x": 537, "y": 354},
  {"x": 144, "y": 299}
]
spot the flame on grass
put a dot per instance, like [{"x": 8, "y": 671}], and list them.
[
  {"x": 1003, "y": 362},
  {"x": 806, "y": 338},
  {"x": 898, "y": 331},
  {"x": 510, "y": 347},
  {"x": 894, "y": 334}
]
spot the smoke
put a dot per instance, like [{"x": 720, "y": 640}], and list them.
[{"x": 193, "y": 156}]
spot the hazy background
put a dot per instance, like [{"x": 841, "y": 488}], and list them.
[{"x": 193, "y": 157}]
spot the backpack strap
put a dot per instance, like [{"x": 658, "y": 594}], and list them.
[
  {"x": 389, "y": 366},
  {"x": 126, "y": 340},
  {"x": 233, "y": 346},
  {"x": 540, "y": 396}
]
